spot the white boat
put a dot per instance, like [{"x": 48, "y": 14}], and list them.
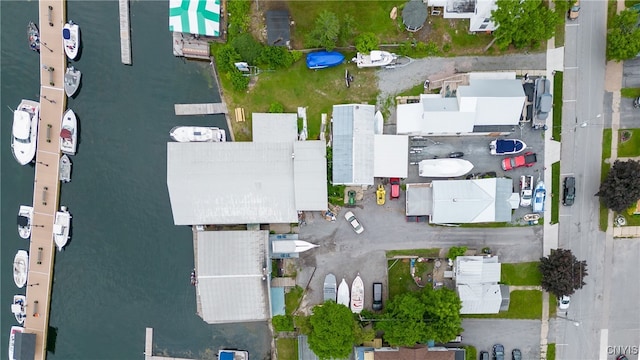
[
  {"x": 12, "y": 339},
  {"x": 233, "y": 355},
  {"x": 25, "y": 131},
  {"x": 330, "y": 286},
  {"x": 65, "y": 168},
  {"x": 506, "y": 146},
  {"x": 69, "y": 133},
  {"x": 374, "y": 59},
  {"x": 71, "y": 39},
  {"x": 444, "y": 167},
  {"x": 25, "y": 217},
  {"x": 379, "y": 123},
  {"x": 61, "y": 227},
  {"x": 343, "y": 293},
  {"x": 72, "y": 81},
  {"x": 357, "y": 295},
  {"x": 20, "y": 268},
  {"x": 539, "y": 195},
  {"x": 197, "y": 134},
  {"x": 19, "y": 308}
]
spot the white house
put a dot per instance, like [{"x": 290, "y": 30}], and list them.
[
  {"x": 477, "y": 279},
  {"x": 477, "y": 11}
]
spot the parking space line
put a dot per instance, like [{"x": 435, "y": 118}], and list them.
[
  {"x": 571, "y": 68},
  {"x": 565, "y": 101}
]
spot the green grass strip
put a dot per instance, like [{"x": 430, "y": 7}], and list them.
[
  {"x": 631, "y": 147},
  {"x": 551, "y": 351},
  {"x": 526, "y": 273},
  {"x": 524, "y": 304},
  {"x": 557, "y": 106},
  {"x": 555, "y": 192},
  {"x": 605, "y": 167},
  {"x": 287, "y": 348}
]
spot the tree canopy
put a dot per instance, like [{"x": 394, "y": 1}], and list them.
[
  {"x": 420, "y": 316},
  {"x": 623, "y": 39},
  {"x": 562, "y": 273},
  {"x": 621, "y": 188},
  {"x": 523, "y": 23},
  {"x": 326, "y": 31},
  {"x": 332, "y": 332}
]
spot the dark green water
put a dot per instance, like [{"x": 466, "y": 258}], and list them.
[{"x": 127, "y": 266}]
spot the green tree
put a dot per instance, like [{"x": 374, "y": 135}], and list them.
[
  {"x": 332, "y": 331},
  {"x": 621, "y": 188},
  {"x": 456, "y": 251},
  {"x": 248, "y": 48},
  {"x": 561, "y": 7},
  {"x": 326, "y": 31},
  {"x": 282, "y": 322},
  {"x": 442, "y": 314},
  {"x": 523, "y": 23},
  {"x": 226, "y": 56},
  {"x": 277, "y": 57},
  {"x": 623, "y": 39},
  {"x": 366, "y": 42},
  {"x": 347, "y": 29},
  {"x": 562, "y": 273}
]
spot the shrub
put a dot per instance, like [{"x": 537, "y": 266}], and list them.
[
  {"x": 366, "y": 42},
  {"x": 456, "y": 251},
  {"x": 225, "y": 57},
  {"x": 238, "y": 81},
  {"x": 248, "y": 48},
  {"x": 238, "y": 16},
  {"x": 296, "y": 55},
  {"x": 283, "y": 323},
  {"x": 326, "y": 31},
  {"x": 276, "y": 108},
  {"x": 347, "y": 29},
  {"x": 276, "y": 57}
]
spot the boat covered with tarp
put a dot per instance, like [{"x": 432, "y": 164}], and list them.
[{"x": 324, "y": 59}]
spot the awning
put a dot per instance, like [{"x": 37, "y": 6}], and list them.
[
  {"x": 200, "y": 17},
  {"x": 24, "y": 346}
]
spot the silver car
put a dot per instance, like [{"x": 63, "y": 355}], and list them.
[{"x": 355, "y": 224}]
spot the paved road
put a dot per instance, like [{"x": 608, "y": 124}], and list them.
[
  {"x": 520, "y": 334},
  {"x": 581, "y": 153}
]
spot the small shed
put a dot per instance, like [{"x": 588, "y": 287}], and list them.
[
  {"x": 414, "y": 15},
  {"x": 278, "y": 28}
]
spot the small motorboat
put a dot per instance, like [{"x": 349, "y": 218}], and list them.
[
  {"x": 25, "y": 217},
  {"x": 194, "y": 278},
  {"x": 357, "y": 295},
  {"x": 71, "y": 39},
  {"x": 330, "y": 287},
  {"x": 375, "y": 58},
  {"x": 506, "y": 146},
  {"x": 33, "y": 36},
  {"x": 20, "y": 268},
  {"x": 324, "y": 59},
  {"x": 69, "y": 133},
  {"x": 197, "y": 134},
  {"x": 539, "y": 196},
  {"x": 233, "y": 355},
  {"x": 12, "y": 339},
  {"x": 343, "y": 293},
  {"x": 379, "y": 123},
  {"x": 450, "y": 167},
  {"x": 18, "y": 308},
  {"x": 72, "y": 81},
  {"x": 61, "y": 227},
  {"x": 65, "y": 168},
  {"x": 25, "y": 131}
]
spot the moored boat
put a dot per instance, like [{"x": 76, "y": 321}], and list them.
[
  {"x": 330, "y": 287},
  {"x": 65, "y": 168},
  {"x": 12, "y": 339},
  {"x": 229, "y": 354},
  {"x": 69, "y": 133},
  {"x": 72, "y": 81},
  {"x": 539, "y": 196},
  {"x": 18, "y": 308},
  {"x": 20, "y": 268},
  {"x": 33, "y": 36},
  {"x": 357, "y": 295},
  {"x": 194, "y": 278},
  {"x": 324, "y": 59},
  {"x": 61, "y": 227},
  {"x": 197, "y": 134},
  {"x": 375, "y": 58},
  {"x": 25, "y": 131},
  {"x": 25, "y": 217},
  {"x": 444, "y": 167},
  {"x": 71, "y": 39},
  {"x": 343, "y": 293}
]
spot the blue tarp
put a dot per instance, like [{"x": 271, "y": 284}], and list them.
[
  {"x": 226, "y": 355},
  {"x": 324, "y": 59},
  {"x": 508, "y": 146}
]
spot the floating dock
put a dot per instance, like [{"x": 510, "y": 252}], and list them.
[
  {"x": 125, "y": 32},
  {"x": 148, "y": 348},
  {"x": 201, "y": 109}
]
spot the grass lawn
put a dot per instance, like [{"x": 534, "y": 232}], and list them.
[
  {"x": 631, "y": 147},
  {"x": 298, "y": 86},
  {"x": 287, "y": 348},
  {"x": 525, "y": 304},
  {"x": 630, "y": 92},
  {"x": 553, "y": 306},
  {"x": 426, "y": 253},
  {"x": 551, "y": 351},
  {"x": 632, "y": 220},
  {"x": 611, "y": 12},
  {"x": 555, "y": 192},
  {"x": 470, "y": 353},
  {"x": 606, "y": 153},
  {"x": 556, "y": 133},
  {"x": 521, "y": 274},
  {"x": 414, "y": 91},
  {"x": 292, "y": 299},
  {"x": 559, "y": 36},
  {"x": 400, "y": 280}
]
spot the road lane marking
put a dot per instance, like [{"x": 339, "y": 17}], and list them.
[{"x": 604, "y": 339}]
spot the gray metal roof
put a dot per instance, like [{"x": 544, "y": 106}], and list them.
[
  {"x": 480, "y": 298},
  {"x": 471, "y": 201},
  {"x": 229, "y": 268},
  {"x": 353, "y": 129},
  {"x": 310, "y": 175},
  {"x": 419, "y": 199},
  {"x": 304, "y": 353},
  {"x": 274, "y": 127},
  {"x": 492, "y": 88},
  {"x": 231, "y": 183},
  {"x": 477, "y": 270}
]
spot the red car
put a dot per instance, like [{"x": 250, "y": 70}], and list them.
[
  {"x": 395, "y": 188},
  {"x": 527, "y": 159}
]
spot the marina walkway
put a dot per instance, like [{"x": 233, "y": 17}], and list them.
[
  {"x": 46, "y": 186},
  {"x": 201, "y": 109}
]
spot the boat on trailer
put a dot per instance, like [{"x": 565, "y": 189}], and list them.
[
  {"x": 330, "y": 287},
  {"x": 324, "y": 59},
  {"x": 375, "y": 58},
  {"x": 357, "y": 295},
  {"x": 444, "y": 167}
]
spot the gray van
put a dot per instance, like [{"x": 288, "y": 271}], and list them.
[{"x": 377, "y": 297}]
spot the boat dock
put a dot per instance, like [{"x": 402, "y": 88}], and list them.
[
  {"x": 46, "y": 184},
  {"x": 201, "y": 109},
  {"x": 125, "y": 32},
  {"x": 148, "y": 348}
]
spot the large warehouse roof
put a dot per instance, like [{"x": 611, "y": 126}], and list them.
[
  {"x": 230, "y": 267},
  {"x": 391, "y": 156},
  {"x": 471, "y": 201},
  {"x": 353, "y": 128}
]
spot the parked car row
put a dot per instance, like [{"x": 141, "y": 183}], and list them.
[{"x": 498, "y": 353}]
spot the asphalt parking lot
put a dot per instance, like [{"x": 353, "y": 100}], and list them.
[
  {"x": 513, "y": 334},
  {"x": 629, "y": 116}
]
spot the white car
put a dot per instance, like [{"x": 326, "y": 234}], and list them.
[
  {"x": 563, "y": 302},
  {"x": 357, "y": 227}
]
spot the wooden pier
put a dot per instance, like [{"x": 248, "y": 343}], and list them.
[
  {"x": 148, "y": 348},
  {"x": 46, "y": 184},
  {"x": 201, "y": 109},
  {"x": 125, "y": 32}
]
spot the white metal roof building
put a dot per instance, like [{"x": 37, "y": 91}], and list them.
[
  {"x": 310, "y": 175},
  {"x": 477, "y": 11},
  {"x": 477, "y": 280},
  {"x": 231, "y": 268},
  {"x": 391, "y": 158},
  {"x": 353, "y": 144},
  {"x": 490, "y": 99},
  {"x": 419, "y": 199},
  {"x": 280, "y": 127}
]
